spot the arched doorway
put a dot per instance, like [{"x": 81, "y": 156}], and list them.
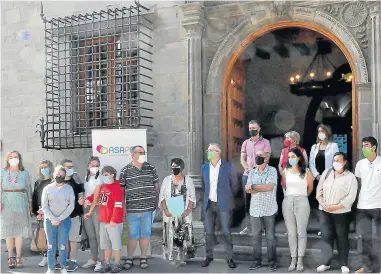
[{"x": 229, "y": 130}]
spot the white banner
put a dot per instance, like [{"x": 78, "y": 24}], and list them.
[{"x": 112, "y": 146}]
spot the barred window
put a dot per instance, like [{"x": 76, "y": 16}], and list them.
[{"x": 98, "y": 75}]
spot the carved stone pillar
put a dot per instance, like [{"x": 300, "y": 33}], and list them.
[
  {"x": 193, "y": 23},
  {"x": 375, "y": 56}
]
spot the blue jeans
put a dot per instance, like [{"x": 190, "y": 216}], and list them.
[
  {"x": 57, "y": 236},
  {"x": 211, "y": 214}
]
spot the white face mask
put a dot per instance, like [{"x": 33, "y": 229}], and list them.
[
  {"x": 94, "y": 170},
  {"x": 142, "y": 159},
  {"x": 322, "y": 136},
  {"x": 14, "y": 162},
  {"x": 337, "y": 166}
]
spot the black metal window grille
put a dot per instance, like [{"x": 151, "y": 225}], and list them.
[{"x": 98, "y": 75}]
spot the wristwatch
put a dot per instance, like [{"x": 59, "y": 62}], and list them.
[{"x": 252, "y": 187}]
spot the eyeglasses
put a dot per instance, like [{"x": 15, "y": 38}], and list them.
[
  {"x": 140, "y": 153},
  {"x": 211, "y": 150}
]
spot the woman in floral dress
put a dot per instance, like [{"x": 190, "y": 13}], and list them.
[
  {"x": 16, "y": 204},
  {"x": 177, "y": 232}
]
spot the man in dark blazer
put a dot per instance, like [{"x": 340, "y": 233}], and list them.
[{"x": 220, "y": 183}]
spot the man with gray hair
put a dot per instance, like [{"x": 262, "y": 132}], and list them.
[
  {"x": 141, "y": 183},
  {"x": 219, "y": 182},
  {"x": 249, "y": 151}
]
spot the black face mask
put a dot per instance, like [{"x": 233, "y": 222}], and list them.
[
  {"x": 254, "y": 132},
  {"x": 176, "y": 171},
  {"x": 259, "y": 160},
  {"x": 60, "y": 180}
]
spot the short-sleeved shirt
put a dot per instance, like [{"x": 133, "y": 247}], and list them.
[
  {"x": 139, "y": 186},
  {"x": 263, "y": 204},
  {"x": 370, "y": 175},
  {"x": 251, "y": 147}
]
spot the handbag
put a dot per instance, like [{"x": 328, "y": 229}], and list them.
[{"x": 38, "y": 243}]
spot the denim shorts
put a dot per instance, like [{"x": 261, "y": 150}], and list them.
[{"x": 139, "y": 225}]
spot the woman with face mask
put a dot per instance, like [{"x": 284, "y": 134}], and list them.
[
  {"x": 45, "y": 175},
  {"x": 321, "y": 156},
  {"x": 291, "y": 140},
  {"x": 57, "y": 205},
  {"x": 177, "y": 232},
  {"x": 93, "y": 183},
  {"x": 336, "y": 192},
  {"x": 295, "y": 207},
  {"x": 16, "y": 206}
]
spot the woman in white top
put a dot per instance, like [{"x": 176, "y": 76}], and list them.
[
  {"x": 177, "y": 232},
  {"x": 91, "y": 223},
  {"x": 321, "y": 156},
  {"x": 336, "y": 192},
  {"x": 296, "y": 207}
]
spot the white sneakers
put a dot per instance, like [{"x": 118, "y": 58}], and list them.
[
  {"x": 98, "y": 267},
  {"x": 50, "y": 272},
  {"x": 44, "y": 262},
  {"x": 323, "y": 268},
  {"x": 89, "y": 263}
]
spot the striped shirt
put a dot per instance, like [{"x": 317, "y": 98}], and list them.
[{"x": 139, "y": 186}]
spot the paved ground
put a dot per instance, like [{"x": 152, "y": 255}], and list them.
[{"x": 156, "y": 265}]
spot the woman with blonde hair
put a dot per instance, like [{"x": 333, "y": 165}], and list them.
[
  {"x": 292, "y": 139},
  {"x": 44, "y": 175},
  {"x": 16, "y": 204}
]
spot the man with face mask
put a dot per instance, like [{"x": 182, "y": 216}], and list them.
[
  {"x": 141, "y": 183},
  {"x": 368, "y": 173},
  {"x": 262, "y": 185},
  {"x": 249, "y": 151},
  {"x": 219, "y": 182}
]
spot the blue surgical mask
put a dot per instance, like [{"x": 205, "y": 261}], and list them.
[
  {"x": 45, "y": 171},
  {"x": 106, "y": 179},
  {"x": 70, "y": 172},
  {"x": 293, "y": 161}
]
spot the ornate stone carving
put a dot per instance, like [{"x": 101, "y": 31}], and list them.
[
  {"x": 281, "y": 8},
  {"x": 354, "y": 14},
  {"x": 331, "y": 9},
  {"x": 361, "y": 35}
]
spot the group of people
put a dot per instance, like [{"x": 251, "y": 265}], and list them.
[
  {"x": 95, "y": 210},
  {"x": 326, "y": 178}
]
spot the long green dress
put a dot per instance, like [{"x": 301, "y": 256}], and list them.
[{"x": 15, "y": 215}]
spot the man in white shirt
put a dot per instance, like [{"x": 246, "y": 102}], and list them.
[
  {"x": 218, "y": 201},
  {"x": 368, "y": 173}
]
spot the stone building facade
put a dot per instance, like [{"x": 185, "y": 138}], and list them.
[{"x": 193, "y": 45}]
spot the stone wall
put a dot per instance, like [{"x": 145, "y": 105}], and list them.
[{"x": 23, "y": 88}]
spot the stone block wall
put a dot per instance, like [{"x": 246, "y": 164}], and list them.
[{"x": 23, "y": 81}]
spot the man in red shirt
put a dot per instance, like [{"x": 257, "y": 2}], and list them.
[{"x": 111, "y": 214}]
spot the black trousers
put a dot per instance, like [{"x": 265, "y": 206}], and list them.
[
  {"x": 370, "y": 256},
  {"x": 335, "y": 227}
]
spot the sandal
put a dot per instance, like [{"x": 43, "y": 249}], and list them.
[
  {"x": 143, "y": 263},
  {"x": 19, "y": 263},
  {"x": 11, "y": 262},
  {"x": 128, "y": 264}
]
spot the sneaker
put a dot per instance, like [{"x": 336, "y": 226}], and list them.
[
  {"x": 105, "y": 268},
  {"x": 116, "y": 268},
  {"x": 44, "y": 262},
  {"x": 57, "y": 267},
  {"x": 246, "y": 230},
  {"x": 50, "y": 271},
  {"x": 319, "y": 233},
  {"x": 71, "y": 266},
  {"x": 98, "y": 267},
  {"x": 255, "y": 265},
  {"x": 323, "y": 268},
  {"x": 63, "y": 271},
  {"x": 89, "y": 263},
  {"x": 344, "y": 269},
  {"x": 364, "y": 270},
  {"x": 272, "y": 267}
]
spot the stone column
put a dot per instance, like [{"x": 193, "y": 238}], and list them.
[
  {"x": 375, "y": 70},
  {"x": 193, "y": 22}
]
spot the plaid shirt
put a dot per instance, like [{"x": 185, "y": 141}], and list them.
[{"x": 263, "y": 203}]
